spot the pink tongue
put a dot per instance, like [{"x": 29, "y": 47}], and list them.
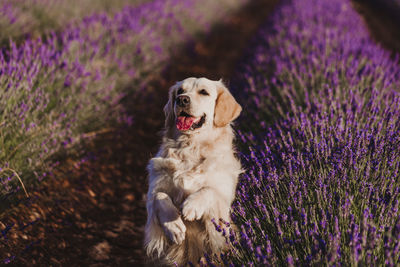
[{"x": 184, "y": 123}]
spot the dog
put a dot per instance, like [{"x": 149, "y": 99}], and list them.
[{"x": 193, "y": 177}]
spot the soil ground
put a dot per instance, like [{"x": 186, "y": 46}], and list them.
[{"x": 383, "y": 22}]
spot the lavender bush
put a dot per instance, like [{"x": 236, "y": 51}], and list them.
[
  {"x": 56, "y": 90},
  {"x": 21, "y": 18},
  {"x": 320, "y": 143}
]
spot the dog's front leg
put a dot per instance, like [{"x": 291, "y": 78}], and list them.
[
  {"x": 206, "y": 201},
  {"x": 169, "y": 218}
]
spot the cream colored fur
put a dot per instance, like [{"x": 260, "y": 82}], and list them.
[{"x": 193, "y": 177}]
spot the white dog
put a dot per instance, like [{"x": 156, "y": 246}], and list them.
[{"x": 193, "y": 177}]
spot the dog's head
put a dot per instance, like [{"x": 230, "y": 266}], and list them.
[{"x": 196, "y": 104}]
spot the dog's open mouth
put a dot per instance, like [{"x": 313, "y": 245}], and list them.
[{"x": 185, "y": 122}]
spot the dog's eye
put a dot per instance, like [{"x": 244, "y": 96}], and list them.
[
  {"x": 180, "y": 91},
  {"x": 203, "y": 92}
]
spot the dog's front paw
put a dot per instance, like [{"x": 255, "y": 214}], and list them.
[
  {"x": 193, "y": 208},
  {"x": 175, "y": 230}
]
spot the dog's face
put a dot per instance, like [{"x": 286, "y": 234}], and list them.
[{"x": 197, "y": 104}]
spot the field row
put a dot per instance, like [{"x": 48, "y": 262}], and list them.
[{"x": 320, "y": 142}]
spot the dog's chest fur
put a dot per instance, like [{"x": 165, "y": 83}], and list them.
[{"x": 184, "y": 163}]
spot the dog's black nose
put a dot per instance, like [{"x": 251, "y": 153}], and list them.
[{"x": 183, "y": 100}]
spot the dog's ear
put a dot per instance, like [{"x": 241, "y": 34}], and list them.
[
  {"x": 226, "y": 107},
  {"x": 169, "y": 109}
]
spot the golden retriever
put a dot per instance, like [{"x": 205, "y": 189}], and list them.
[{"x": 193, "y": 177}]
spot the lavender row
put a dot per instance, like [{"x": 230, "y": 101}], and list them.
[
  {"x": 322, "y": 156},
  {"x": 22, "y": 18},
  {"x": 54, "y": 91}
]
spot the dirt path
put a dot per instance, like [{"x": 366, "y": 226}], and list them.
[
  {"x": 383, "y": 22},
  {"x": 92, "y": 212}
]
